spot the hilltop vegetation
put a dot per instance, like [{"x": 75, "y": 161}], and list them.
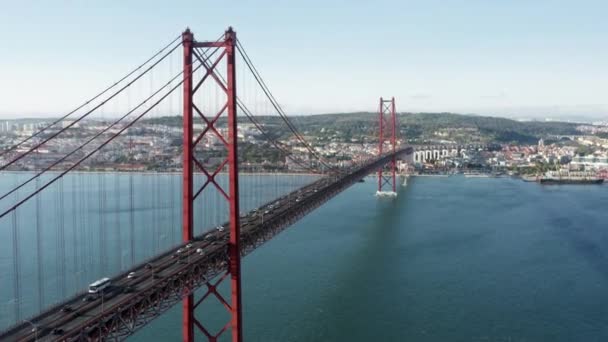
[{"x": 417, "y": 127}]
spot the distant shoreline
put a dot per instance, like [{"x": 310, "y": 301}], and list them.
[{"x": 172, "y": 173}]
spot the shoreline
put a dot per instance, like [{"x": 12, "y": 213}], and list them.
[{"x": 167, "y": 173}]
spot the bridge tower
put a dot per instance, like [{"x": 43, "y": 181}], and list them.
[
  {"x": 387, "y": 121},
  {"x": 226, "y": 47}
]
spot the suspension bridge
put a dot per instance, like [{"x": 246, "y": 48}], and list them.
[{"x": 158, "y": 239}]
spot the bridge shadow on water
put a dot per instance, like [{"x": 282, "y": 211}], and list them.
[{"x": 356, "y": 303}]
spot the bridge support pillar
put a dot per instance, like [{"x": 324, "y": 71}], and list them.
[
  {"x": 387, "y": 179},
  {"x": 194, "y": 49},
  {"x": 187, "y": 177}
]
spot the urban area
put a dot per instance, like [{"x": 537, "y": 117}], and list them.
[{"x": 155, "y": 145}]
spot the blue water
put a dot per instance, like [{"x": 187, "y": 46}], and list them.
[
  {"x": 451, "y": 259},
  {"x": 91, "y": 225}
]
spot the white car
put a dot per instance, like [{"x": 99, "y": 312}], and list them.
[
  {"x": 199, "y": 250},
  {"x": 220, "y": 228},
  {"x": 131, "y": 275}
]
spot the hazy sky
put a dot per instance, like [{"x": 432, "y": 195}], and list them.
[{"x": 509, "y": 58}]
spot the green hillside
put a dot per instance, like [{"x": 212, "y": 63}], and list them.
[{"x": 414, "y": 126}]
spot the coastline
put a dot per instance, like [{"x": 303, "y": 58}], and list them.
[{"x": 169, "y": 173}]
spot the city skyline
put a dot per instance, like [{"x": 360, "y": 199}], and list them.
[{"x": 517, "y": 60}]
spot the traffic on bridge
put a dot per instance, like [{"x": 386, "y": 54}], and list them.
[{"x": 144, "y": 292}]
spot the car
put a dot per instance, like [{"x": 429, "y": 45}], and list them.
[
  {"x": 149, "y": 266},
  {"x": 67, "y": 308},
  {"x": 179, "y": 251},
  {"x": 220, "y": 228},
  {"x": 267, "y": 212},
  {"x": 199, "y": 250},
  {"x": 210, "y": 236},
  {"x": 128, "y": 289},
  {"x": 189, "y": 245},
  {"x": 58, "y": 331},
  {"x": 298, "y": 199},
  {"x": 131, "y": 275}
]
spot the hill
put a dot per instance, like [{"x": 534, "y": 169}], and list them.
[{"x": 415, "y": 126}]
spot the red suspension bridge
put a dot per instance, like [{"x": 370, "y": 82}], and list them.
[{"x": 165, "y": 249}]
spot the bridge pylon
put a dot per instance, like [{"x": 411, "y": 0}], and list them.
[
  {"x": 387, "y": 120},
  {"x": 226, "y": 47}
]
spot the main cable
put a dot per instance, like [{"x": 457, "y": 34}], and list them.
[
  {"x": 87, "y": 113},
  {"x": 42, "y": 130},
  {"x": 278, "y": 107},
  {"x": 63, "y": 173},
  {"x": 251, "y": 118},
  {"x": 58, "y": 161}
]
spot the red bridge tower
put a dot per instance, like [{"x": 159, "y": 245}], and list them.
[
  {"x": 387, "y": 120},
  {"x": 226, "y": 47}
]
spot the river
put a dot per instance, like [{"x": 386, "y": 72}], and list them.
[{"x": 450, "y": 259}]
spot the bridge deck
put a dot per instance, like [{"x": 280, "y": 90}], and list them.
[{"x": 162, "y": 282}]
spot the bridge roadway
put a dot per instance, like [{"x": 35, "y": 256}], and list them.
[{"x": 164, "y": 280}]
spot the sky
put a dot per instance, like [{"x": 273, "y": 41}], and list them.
[{"x": 515, "y": 58}]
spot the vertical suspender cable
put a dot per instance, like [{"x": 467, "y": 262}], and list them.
[
  {"x": 131, "y": 221},
  {"x": 155, "y": 213},
  {"x": 62, "y": 274},
  {"x": 147, "y": 213},
  {"x": 117, "y": 244},
  {"x": 75, "y": 233},
  {"x": 155, "y": 210},
  {"x": 39, "y": 249},
  {"x": 16, "y": 265},
  {"x": 101, "y": 232},
  {"x": 174, "y": 234},
  {"x": 84, "y": 227}
]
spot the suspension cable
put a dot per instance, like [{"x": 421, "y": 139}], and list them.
[
  {"x": 77, "y": 163},
  {"x": 277, "y": 106},
  {"x": 42, "y": 130},
  {"x": 58, "y": 161},
  {"x": 251, "y": 118},
  {"x": 87, "y": 113},
  {"x": 275, "y": 143}
]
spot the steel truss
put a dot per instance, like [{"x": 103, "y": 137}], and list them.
[
  {"x": 190, "y": 161},
  {"x": 124, "y": 318},
  {"x": 387, "y": 118}
]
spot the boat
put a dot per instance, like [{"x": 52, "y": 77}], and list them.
[
  {"x": 527, "y": 178},
  {"x": 430, "y": 175},
  {"x": 576, "y": 177},
  {"x": 571, "y": 180},
  {"x": 476, "y": 175}
]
